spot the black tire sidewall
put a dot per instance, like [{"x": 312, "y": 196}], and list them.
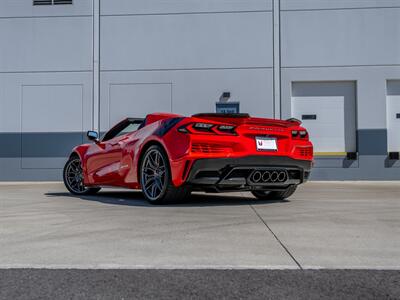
[
  {"x": 87, "y": 189},
  {"x": 274, "y": 195},
  {"x": 160, "y": 198}
]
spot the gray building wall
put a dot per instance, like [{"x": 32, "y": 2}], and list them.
[{"x": 66, "y": 69}]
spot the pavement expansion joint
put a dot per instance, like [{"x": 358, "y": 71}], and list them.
[{"x": 276, "y": 237}]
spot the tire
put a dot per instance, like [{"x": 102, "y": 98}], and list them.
[
  {"x": 73, "y": 179},
  {"x": 155, "y": 178},
  {"x": 275, "y": 195}
]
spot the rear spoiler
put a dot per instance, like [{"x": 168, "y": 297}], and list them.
[
  {"x": 294, "y": 120},
  {"x": 220, "y": 115}
]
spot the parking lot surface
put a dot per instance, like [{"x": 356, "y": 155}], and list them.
[
  {"x": 198, "y": 284},
  {"x": 337, "y": 225}
]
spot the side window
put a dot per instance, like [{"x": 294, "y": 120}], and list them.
[
  {"x": 130, "y": 128},
  {"x": 126, "y": 126}
]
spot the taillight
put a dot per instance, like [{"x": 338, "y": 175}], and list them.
[
  {"x": 303, "y": 133},
  {"x": 299, "y": 134},
  {"x": 203, "y": 126},
  {"x": 208, "y": 128},
  {"x": 227, "y": 129}
]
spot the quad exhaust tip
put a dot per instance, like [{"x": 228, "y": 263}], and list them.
[{"x": 278, "y": 176}]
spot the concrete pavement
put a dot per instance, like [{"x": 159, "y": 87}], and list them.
[{"x": 324, "y": 225}]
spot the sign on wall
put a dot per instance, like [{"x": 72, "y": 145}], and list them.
[{"x": 227, "y": 107}]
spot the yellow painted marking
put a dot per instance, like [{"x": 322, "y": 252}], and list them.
[{"x": 330, "y": 153}]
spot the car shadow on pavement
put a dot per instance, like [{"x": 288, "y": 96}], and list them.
[{"x": 135, "y": 198}]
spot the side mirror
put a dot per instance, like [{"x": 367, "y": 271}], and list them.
[{"x": 92, "y": 136}]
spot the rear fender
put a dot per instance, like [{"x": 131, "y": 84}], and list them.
[{"x": 175, "y": 145}]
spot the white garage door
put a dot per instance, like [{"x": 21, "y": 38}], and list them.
[
  {"x": 393, "y": 115},
  {"x": 327, "y": 110}
]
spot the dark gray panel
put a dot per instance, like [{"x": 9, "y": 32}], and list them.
[
  {"x": 10, "y": 145},
  {"x": 55, "y": 144},
  {"x": 372, "y": 141},
  {"x": 335, "y": 162}
]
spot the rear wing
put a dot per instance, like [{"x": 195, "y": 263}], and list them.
[
  {"x": 294, "y": 120},
  {"x": 220, "y": 115}
]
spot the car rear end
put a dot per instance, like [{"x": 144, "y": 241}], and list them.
[{"x": 237, "y": 152}]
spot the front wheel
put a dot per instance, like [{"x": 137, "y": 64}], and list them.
[
  {"x": 155, "y": 178},
  {"x": 73, "y": 178},
  {"x": 275, "y": 195}
]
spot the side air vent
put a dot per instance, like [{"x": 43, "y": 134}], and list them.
[
  {"x": 51, "y": 2},
  {"x": 55, "y": 2},
  {"x": 42, "y": 2}
]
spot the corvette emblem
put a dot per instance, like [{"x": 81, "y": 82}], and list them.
[{"x": 266, "y": 129}]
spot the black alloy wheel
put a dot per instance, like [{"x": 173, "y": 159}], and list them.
[
  {"x": 155, "y": 178},
  {"x": 73, "y": 178}
]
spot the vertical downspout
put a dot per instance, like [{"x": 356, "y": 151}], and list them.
[
  {"x": 96, "y": 65},
  {"x": 277, "y": 58}
]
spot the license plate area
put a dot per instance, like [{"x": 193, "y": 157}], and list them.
[{"x": 266, "y": 143}]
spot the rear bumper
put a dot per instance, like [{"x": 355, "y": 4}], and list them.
[{"x": 222, "y": 174}]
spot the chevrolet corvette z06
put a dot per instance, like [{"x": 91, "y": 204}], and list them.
[{"x": 167, "y": 156}]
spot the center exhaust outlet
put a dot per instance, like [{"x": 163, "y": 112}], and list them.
[
  {"x": 266, "y": 176},
  {"x": 274, "y": 176},
  {"x": 271, "y": 176}
]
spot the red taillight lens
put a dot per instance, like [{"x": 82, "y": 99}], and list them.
[
  {"x": 299, "y": 134},
  {"x": 203, "y": 126},
  {"x": 303, "y": 133},
  {"x": 208, "y": 128},
  {"x": 229, "y": 129}
]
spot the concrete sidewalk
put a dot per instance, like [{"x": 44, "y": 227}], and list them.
[{"x": 324, "y": 225}]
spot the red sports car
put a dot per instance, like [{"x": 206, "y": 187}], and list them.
[{"x": 168, "y": 156}]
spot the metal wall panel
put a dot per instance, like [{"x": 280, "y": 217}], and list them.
[
  {"x": 45, "y": 44},
  {"x": 137, "y": 100},
  {"x": 336, "y": 4},
  {"x": 188, "y": 41},
  {"x": 52, "y": 108},
  {"x": 42, "y": 117},
  {"x": 122, "y": 7},
  {"x": 193, "y": 91},
  {"x": 25, "y": 8},
  {"x": 15, "y": 86},
  {"x": 340, "y": 37}
]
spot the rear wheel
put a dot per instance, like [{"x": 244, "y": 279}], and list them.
[
  {"x": 73, "y": 178},
  {"x": 275, "y": 195},
  {"x": 155, "y": 178}
]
